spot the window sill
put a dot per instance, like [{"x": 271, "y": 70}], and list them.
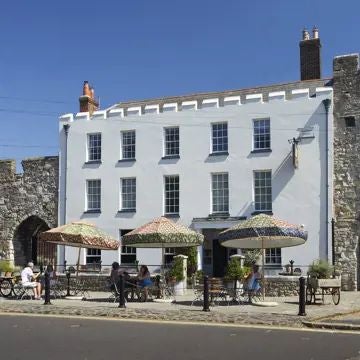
[
  {"x": 172, "y": 216},
  {"x": 259, "y": 151},
  {"x": 220, "y": 153},
  {"x": 95, "y": 211},
  {"x": 267, "y": 212},
  {"x": 167, "y": 157},
  {"x": 122, "y": 211},
  {"x": 93, "y": 162},
  {"x": 219, "y": 215},
  {"x": 126, "y": 160}
]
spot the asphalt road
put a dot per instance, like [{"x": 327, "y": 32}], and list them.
[{"x": 30, "y": 338}]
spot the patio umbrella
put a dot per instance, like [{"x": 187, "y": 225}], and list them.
[
  {"x": 81, "y": 235},
  {"x": 161, "y": 233},
  {"x": 263, "y": 232}
]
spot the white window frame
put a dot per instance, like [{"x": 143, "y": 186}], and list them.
[
  {"x": 173, "y": 144},
  {"x": 126, "y": 250},
  {"x": 218, "y": 144},
  {"x": 93, "y": 150},
  {"x": 260, "y": 190},
  {"x": 273, "y": 256},
  {"x": 260, "y": 139},
  {"x": 224, "y": 206},
  {"x": 176, "y": 195},
  {"x": 93, "y": 254},
  {"x": 88, "y": 202},
  {"x": 123, "y": 202},
  {"x": 169, "y": 254},
  {"x": 128, "y": 150}
]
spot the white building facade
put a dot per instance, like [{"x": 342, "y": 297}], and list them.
[{"x": 207, "y": 161}]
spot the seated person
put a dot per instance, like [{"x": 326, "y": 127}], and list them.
[
  {"x": 27, "y": 280},
  {"x": 144, "y": 279},
  {"x": 252, "y": 285}
]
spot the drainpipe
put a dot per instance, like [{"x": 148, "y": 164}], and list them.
[
  {"x": 66, "y": 131},
  {"x": 333, "y": 240},
  {"x": 64, "y": 197},
  {"x": 327, "y": 103}
]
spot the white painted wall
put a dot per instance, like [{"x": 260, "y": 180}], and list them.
[{"x": 298, "y": 195}]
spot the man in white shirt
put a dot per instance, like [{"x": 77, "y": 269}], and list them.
[{"x": 27, "y": 277}]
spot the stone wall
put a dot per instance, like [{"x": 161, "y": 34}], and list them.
[
  {"x": 28, "y": 204},
  {"x": 346, "y": 84}
]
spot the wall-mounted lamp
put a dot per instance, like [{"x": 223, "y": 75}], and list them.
[{"x": 295, "y": 151}]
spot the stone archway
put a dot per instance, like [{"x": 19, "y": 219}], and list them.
[{"x": 26, "y": 245}]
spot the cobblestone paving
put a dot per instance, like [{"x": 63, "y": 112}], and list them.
[
  {"x": 196, "y": 315},
  {"x": 285, "y": 314}
]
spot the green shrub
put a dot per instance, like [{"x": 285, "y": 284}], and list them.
[
  {"x": 176, "y": 270},
  {"x": 5, "y": 266},
  {"x": 191, "y": 253},
  {"x": 234, "y": 271},
  {"x": 320, "y": 269}
]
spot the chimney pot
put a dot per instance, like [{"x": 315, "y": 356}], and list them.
[
  {"x": 315, "y": 32},
  {"x": 305, "y": 34}
]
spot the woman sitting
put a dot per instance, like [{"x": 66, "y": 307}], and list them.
[
  {"x": 252, "y": 286},
  {"x": 144, "y": 280}
]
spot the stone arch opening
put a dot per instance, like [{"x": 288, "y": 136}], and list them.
[{"x": 26, "y": 245}]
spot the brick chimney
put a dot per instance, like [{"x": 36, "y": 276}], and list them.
[
  {"x": 310, "y": 57},
  {"x": 87, "y": 99}
]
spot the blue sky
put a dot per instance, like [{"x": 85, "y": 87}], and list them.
[{"x": 143, "y": 49}]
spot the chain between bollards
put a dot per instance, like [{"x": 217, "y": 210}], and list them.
[
  {"x": 206, "y": 294},
  {"x": 121, "y": 285},
  {"x": 47, "y": 288},
  {"x": 302, "y": 296}
]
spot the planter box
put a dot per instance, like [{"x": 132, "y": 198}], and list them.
[
  {"x": 179, "y": 288},
  {"x": 316, "y": 283}
]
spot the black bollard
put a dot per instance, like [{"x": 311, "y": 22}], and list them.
[
  {"x": 157, "y": 285},
  {"x": 302, "y": 297},
  {"x": 68, "y": 274},
  {"x": 47, "y": 288},
  {"x": 121, "y": 287},
  {"x": 206, "y": 294}
]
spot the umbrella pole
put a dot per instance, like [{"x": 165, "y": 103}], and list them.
[
  {"x": 162, "y": 260},
  {"x": 78, "y": 262}
]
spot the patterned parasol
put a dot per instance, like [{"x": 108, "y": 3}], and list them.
[
  {"x": 161, "y": 233},
  {"x": 80, "y": 234},
  {"x": 262, "y": 232}
]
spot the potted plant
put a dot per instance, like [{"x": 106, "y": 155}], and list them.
[
  {"x": 234, "y": 273},
  {"x": 321, "y": 274},
  {"x": 176, "y": 276},
  {"x": 6, "y": 268}
]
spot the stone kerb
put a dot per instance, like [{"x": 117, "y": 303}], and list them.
[{"x": 197, "y": 104}]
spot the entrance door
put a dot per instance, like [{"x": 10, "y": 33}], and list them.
[{"x": 219, "y": 259}]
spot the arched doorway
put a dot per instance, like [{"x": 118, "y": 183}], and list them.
[{"x": 26, "y": 244}]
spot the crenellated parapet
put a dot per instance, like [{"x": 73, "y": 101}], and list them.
[{"x": 198, "y": 103}]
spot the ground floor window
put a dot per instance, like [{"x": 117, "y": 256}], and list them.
[
  {"x": 93, "y": 258},
  {"x": 128, "y": 253},
  {"x": 273, "y": 256},
  {"x": 169, "y": 254}
]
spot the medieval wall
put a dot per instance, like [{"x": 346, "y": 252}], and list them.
[
  {"x": 29, "y": 198},
  {"x": 347, "y": 167}
]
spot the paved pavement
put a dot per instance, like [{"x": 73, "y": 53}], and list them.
[{"x": 346, "y": 315}]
